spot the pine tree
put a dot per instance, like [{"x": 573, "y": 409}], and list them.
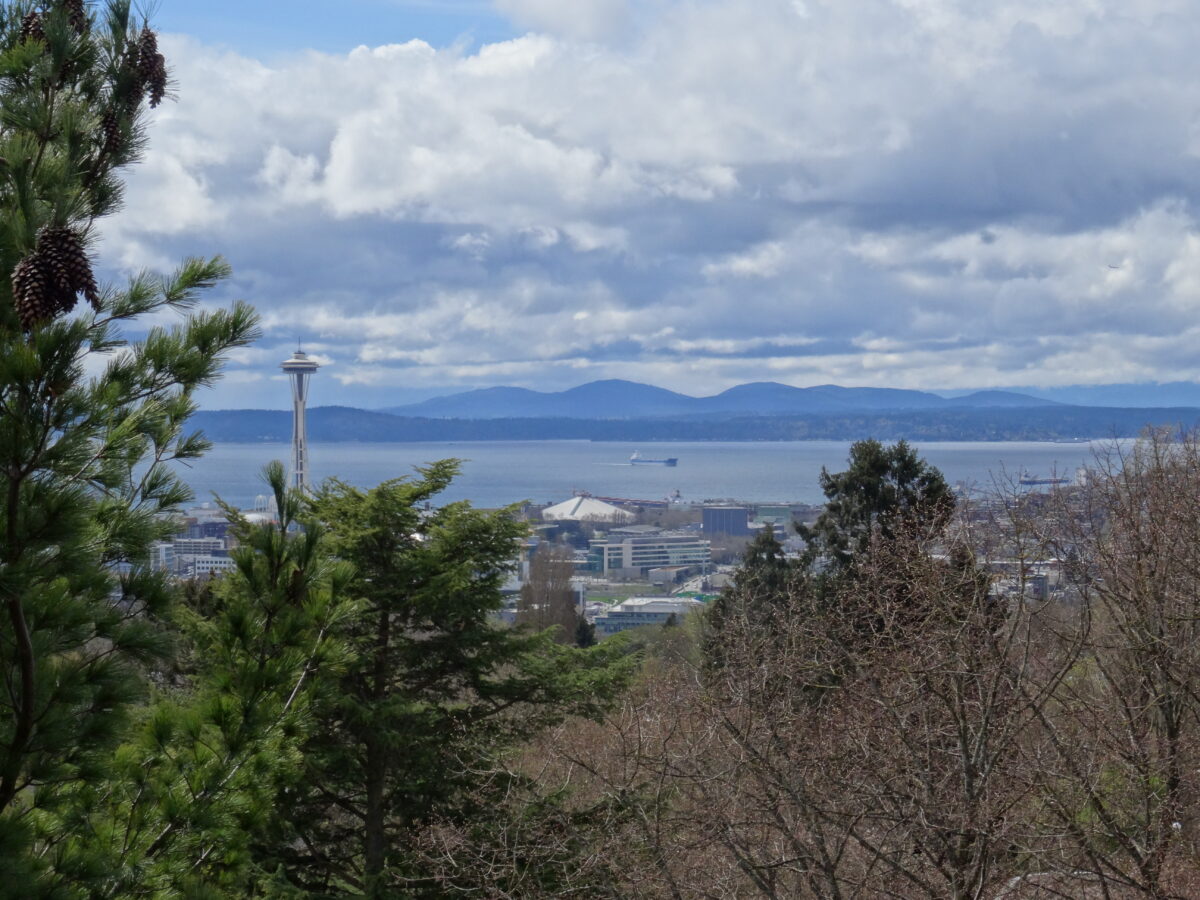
[
  {"x": 436, "y": 692},
  {"x": 885, "y": 494},
  {"x": 759, "y": 594},
  {"x": 197, "y": 780},
  {"x": 884, "y": 489},
  {"x": 84, "y": 459},
  {"x": 585, "y": 634}
]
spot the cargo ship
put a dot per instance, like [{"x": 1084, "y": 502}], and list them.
[
  {"x": 1028, "y": 479},
  {"x": 638, "y": 460}
]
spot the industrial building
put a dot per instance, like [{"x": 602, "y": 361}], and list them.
[{"x": 721, "y": 521}]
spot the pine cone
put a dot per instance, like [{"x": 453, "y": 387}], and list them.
[
  {"x": 157, "y": 83},
  {"x": 48, "y": 280},
  {"x": 147, "y": 47},
  {"x": 29, "y": 293},
  {"x": 31, "y": 28},
  {"x": 76, "y": 15},
  {"x": 68, "y": 266},
  {"x": 110, "y": 129},
  {"x": 151, "y": 67}
]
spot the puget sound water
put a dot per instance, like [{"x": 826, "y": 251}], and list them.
[{"x": 496, "y": 473}]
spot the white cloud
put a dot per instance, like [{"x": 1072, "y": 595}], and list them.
[
  {"x": 762, "y": 261},
  {"x": 918, "y": 192}
]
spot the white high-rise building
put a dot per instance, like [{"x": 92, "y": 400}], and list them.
[{"x": 299, "y": 368}]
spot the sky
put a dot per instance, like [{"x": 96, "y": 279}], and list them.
[{"x": 441, "y": 195}]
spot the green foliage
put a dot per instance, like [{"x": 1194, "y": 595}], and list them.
[
  {"x": 884, "y": 489},
  {"x": 886, "y": 492},
  {"x": 761, "y": 582},
  {"x": 89, "y": 424},
  {"x": 755, "y": 600},
  {"x": 585, "y": 634},
  {"x": 435, "y": 693},
  {"x": 201, "y": 770}
]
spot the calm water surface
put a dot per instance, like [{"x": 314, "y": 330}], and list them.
[{"x": 500, "y": 472}]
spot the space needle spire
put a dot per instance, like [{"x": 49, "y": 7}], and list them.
[{"x": 299, "y": 369}]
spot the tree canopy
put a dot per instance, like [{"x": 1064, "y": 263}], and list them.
[
  {"x": 434, "y": 693},
  {"x": 884, "y": 488}
]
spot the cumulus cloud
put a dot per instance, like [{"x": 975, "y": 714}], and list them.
[{"x": 936, "y": 194}]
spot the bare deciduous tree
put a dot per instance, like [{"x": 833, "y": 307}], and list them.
[
  {"x": 1122, "y": 775},
  {"x": 1007, "y": 706},
  {"x": 547, "y": 596}
]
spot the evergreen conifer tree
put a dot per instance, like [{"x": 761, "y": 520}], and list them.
[
  {"x": 760, "y": 591},
  {"x": 84, "y": 458},
  {"x": 885, "y": 488},
  {"x": 435, "y": 694},
  {"x": 197, "y": 779},
  {"x": 585, "y": 634},
  {"x": 887, "y": 492}
]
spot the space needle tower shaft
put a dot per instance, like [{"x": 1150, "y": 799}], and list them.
[{"x": 299, "y": 368}]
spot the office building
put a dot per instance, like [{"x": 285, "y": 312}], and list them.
[{"x": 633, "y": 552}]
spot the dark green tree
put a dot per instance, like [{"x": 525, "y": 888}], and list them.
[
  {"x": 886, "y": 492},
  {"x": 885, "y": 488},
  {"x": 585, "y": 634},
  {"x": 759, "y": 594},
  {"x": 89, "y": 422},
  {"x": 437, "y": 693}
]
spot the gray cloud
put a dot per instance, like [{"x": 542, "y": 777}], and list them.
[{"x": 944, "y": 194}]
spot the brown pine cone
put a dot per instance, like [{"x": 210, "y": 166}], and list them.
[
  {"x": 66, "y": 260},
  {"x": 147, "y": 48},
  {"x": 57, "y": 271},
  {"x": 29, "y": 293},
  {"x": 31, "y": 28},
  {"x": 113, "y": 136},
  {"x": 151, "y": 67},
  {"x": 76, "y": 15},
  {"x": 156, "y": 84}
]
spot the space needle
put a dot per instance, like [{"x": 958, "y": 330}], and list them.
[{"x": 299, "y": 368}]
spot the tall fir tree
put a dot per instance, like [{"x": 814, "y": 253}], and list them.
[
  {"x": 885, "y": 488},
  {"x": 886, "y": 493},
  {"x": 197, "y": 779},
  {"x": 437, "y": 691},
  {"x": 759, "y": 594}
]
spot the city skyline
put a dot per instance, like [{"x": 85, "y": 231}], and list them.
[{"x": 687, "y": 194}]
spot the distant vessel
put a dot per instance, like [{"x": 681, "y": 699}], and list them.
[
  {"x": 638, "y": 460},
  {"x": 1028, "y": 479}
]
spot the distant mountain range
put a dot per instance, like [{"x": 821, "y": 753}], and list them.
[
  {"x": 998, "y": 423},
  {"x": 764, "y": 411},
  {"x": 617, "y": 399}
]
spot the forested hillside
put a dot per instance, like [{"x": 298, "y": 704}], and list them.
[{"x": 339, "y": 423}]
